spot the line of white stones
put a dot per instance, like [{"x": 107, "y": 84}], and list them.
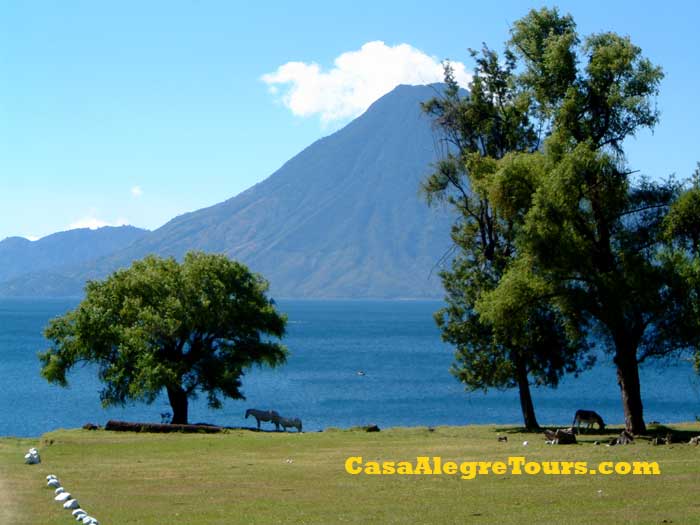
[
  {"x": 69, "y": 502},
  {"x": 32, "y": 457}
]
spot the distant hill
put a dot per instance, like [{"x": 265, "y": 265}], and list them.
[
  {"x": 20, "y": 256},
  {"x": 342, "y": 219}
]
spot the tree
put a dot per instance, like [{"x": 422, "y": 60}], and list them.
[
  {"x": 681, "y": 258},
  {"x": 593, "y": 237},
  {"x": 161, "y": 325},
  {"x": 561, "y": 223},
  {"x": 480, "y": 131}
]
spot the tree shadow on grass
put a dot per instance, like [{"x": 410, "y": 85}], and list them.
[{"x": 677, "y": 435}]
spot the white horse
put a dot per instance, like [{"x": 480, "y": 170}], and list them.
[
  {"x": 264, "y": 415},
  {"x": 287, "y": 423}
]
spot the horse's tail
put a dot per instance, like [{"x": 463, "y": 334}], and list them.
[{"x": 247, "y": 413}]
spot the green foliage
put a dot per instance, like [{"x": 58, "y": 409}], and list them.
[
  {"x": 546, "y": 41},
  {"x": 682, "y": 224},
  {"x": 562, "y": 230},
  {"x": 488, "y": 176},
  {"x": 591, "y": 238},
  {"x": 682, "y": 260},
  {"x": 157, "y": 325}
]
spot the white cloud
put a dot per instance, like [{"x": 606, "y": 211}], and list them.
[
  {"x": 32, "y": 237},
  {"x": 93, "y": 223},
  {"x": 136, "y": 191},
  {"x": 357, "y": 79}
]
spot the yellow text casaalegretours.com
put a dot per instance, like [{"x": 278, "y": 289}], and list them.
[{"x": 514, "y": 465}]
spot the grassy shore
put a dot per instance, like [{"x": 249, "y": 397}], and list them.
[{"x": 266, "y": 478}]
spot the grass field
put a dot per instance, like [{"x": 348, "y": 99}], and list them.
[{"x": 267, "y": 478}]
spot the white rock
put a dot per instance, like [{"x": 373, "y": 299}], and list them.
[
  {"x": 32, "y": 459},
  {"x": 50, "y": 477},
  {"x": 59, "y": 490},
  {"x": 79, "y": 512},
  {"x": 63, "y": 496},
  {"x": 525, "y": 443},
  {"x": 71, "y": 504},
  {"x": 54, "y": 483}
]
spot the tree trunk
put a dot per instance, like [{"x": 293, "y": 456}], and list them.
[
  {"x": 525, "y": 398},
  {"x": 628, "y": 379},
  {"x": 178, "y": 401}
]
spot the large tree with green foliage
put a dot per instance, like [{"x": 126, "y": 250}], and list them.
[
  {"x": 479, "y": 131},
  {"x": 590, "y": 234},
  {"x": 681, "y": 258},
  {"x": 604, "y": 251},
  {"x": 161, "y": 325}
]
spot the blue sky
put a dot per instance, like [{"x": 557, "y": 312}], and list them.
[{"x": 135, "y": 112}]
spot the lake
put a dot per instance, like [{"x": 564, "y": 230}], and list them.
[{"x": 396, "y": 344}]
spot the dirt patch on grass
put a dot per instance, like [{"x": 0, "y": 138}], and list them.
[{"x": 7, "y": 505}]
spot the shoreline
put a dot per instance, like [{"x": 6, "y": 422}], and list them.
[{"x": 610, "y": 428}]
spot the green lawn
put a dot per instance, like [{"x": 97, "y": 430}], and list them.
[{"x": 267, "y": 478}]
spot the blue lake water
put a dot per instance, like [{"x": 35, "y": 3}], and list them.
[{"x": 406, "y": 382}]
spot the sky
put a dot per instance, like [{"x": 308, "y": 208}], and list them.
[{"x": 135, "y": 112}]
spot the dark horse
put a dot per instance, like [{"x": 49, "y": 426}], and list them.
[
  {"x": 588, "y": 418},
  {"x": 264, "y": 415}
]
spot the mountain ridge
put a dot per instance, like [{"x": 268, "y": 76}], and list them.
[
  {"x": 20, "y": 256},
  {"x": 341, "y": 219}
]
